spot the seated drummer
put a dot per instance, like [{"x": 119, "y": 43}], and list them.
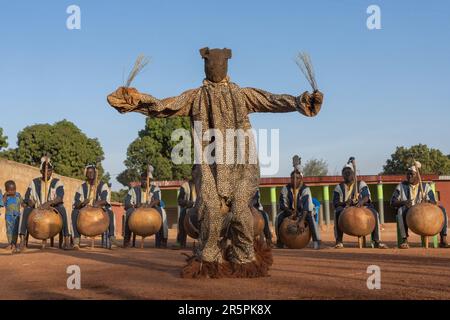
[
  {"x": 100, "y": 198},
  {"x": 186, "y": 200},
  {"x": 258, "y": 205},
  {"x": 34, "y": 198},
  {"x": 407, "y": 194},
  {"x": 305, "y": 207},
  {"x": 136, "y": 199},
  {"x": 343, "y": 198}
]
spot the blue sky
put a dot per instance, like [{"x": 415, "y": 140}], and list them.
[{"x": 383, "y": 88}]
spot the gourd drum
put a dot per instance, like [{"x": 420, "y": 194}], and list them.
[
  {"x": 145, "y": 222},
  {"x": 291, "y": 236},
  {"x": 92, "y": 221},
  {"x": 356, "y": 221},
  {"x": 258, "y": 222},
  {"x": 44, "y": 223},
  {"x": 190, "y": 223},
  {"x": 425, "y": 219}
]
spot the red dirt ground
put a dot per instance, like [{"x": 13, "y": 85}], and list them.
[{"x": 151, "y": 273}]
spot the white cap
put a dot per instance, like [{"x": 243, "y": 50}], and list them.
[
  {"x": 43, "y": 160},
  {"x": 348, "y": 165},
  {"x": 417, "y": 165}
]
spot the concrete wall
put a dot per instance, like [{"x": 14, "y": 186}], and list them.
[
  {"x": 23, "y": 174},
  {"x": 443, "y": 193}
]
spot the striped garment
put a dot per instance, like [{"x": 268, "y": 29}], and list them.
[
  {"x": 187, "y": 192},
  {"x": 304, "y": 199},
  {"x": 36, "y": 190},
  {"x": 136, "y": 195},
  {"x": 257, "y": 201},
  {"x": 342, "y": 192},
  {"x": 406, "y": 191},
  {"x": 103, "y": 193}
]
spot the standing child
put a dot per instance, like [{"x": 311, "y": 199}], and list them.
[{"x": 12, "y": 201}]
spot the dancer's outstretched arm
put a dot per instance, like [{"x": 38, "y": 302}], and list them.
[
  {"x": 258, "y": 100},
  {"x": 130, "y": 100}
]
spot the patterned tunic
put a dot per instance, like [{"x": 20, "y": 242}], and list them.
[
  {"x": 36, "y": 190},
  {"x": 343, "y": 192},
  {"x": 406, "y": 191},
  {"x": 187, "y": 193},
  {"x": 304, "y": 199},
  {"x": 103, "y": 193},
  {"x": 222, "y": 106},
  {"x": 136, "y": 196}
]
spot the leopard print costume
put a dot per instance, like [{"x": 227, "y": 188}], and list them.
[{"x": 222, "y": 105}]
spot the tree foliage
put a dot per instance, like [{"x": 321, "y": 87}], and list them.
[
  {"x": 433, "y": 160},
  {"x": 119, "y": 196},
  {"x": 3, "y": 140},
  {"x": 315, "y": 168},
  {"x": 154, "y": 146},
  {"x": 68, "y": 147}
]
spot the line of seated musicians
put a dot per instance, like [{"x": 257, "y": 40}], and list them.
[
  {"x": 18, "y": 209},
  {"x": 405, "y": 195}
]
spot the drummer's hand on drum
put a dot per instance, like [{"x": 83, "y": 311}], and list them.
[
  {"x": 153, "y": 203},
  {"x": 99, "y": 203},
  {"x": 46, "y": 205},
  {"x": 301, "y": 223},
  {"x": 408, "y": 203},
  {"x": 31, "y": 203},
  {"x": 84, "y": 203}
]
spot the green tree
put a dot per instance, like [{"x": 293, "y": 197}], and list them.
[
  {"x": 433, "y": 160},
  {"x": 119, "y": 196},
  {"x": 154, "y": 146},
  {"x": 68, "y": 147},
  {"x": 315, "y": 168},
  {"x": 3, "y": 140}
]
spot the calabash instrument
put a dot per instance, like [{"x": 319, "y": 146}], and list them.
[
  {"x": 191, "y": 223},
  {"x": 295, "y": 234},
  {"x": 258, "y": 222},
  {"x": 424, "y": 219},
  {"x": 44, "y": 224},
  {"x": 292, "y": 235},
  {"x": 145, "y": 221},
  {"x": 92, "y": 221},
  {"x": 355, "y": 221}
]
